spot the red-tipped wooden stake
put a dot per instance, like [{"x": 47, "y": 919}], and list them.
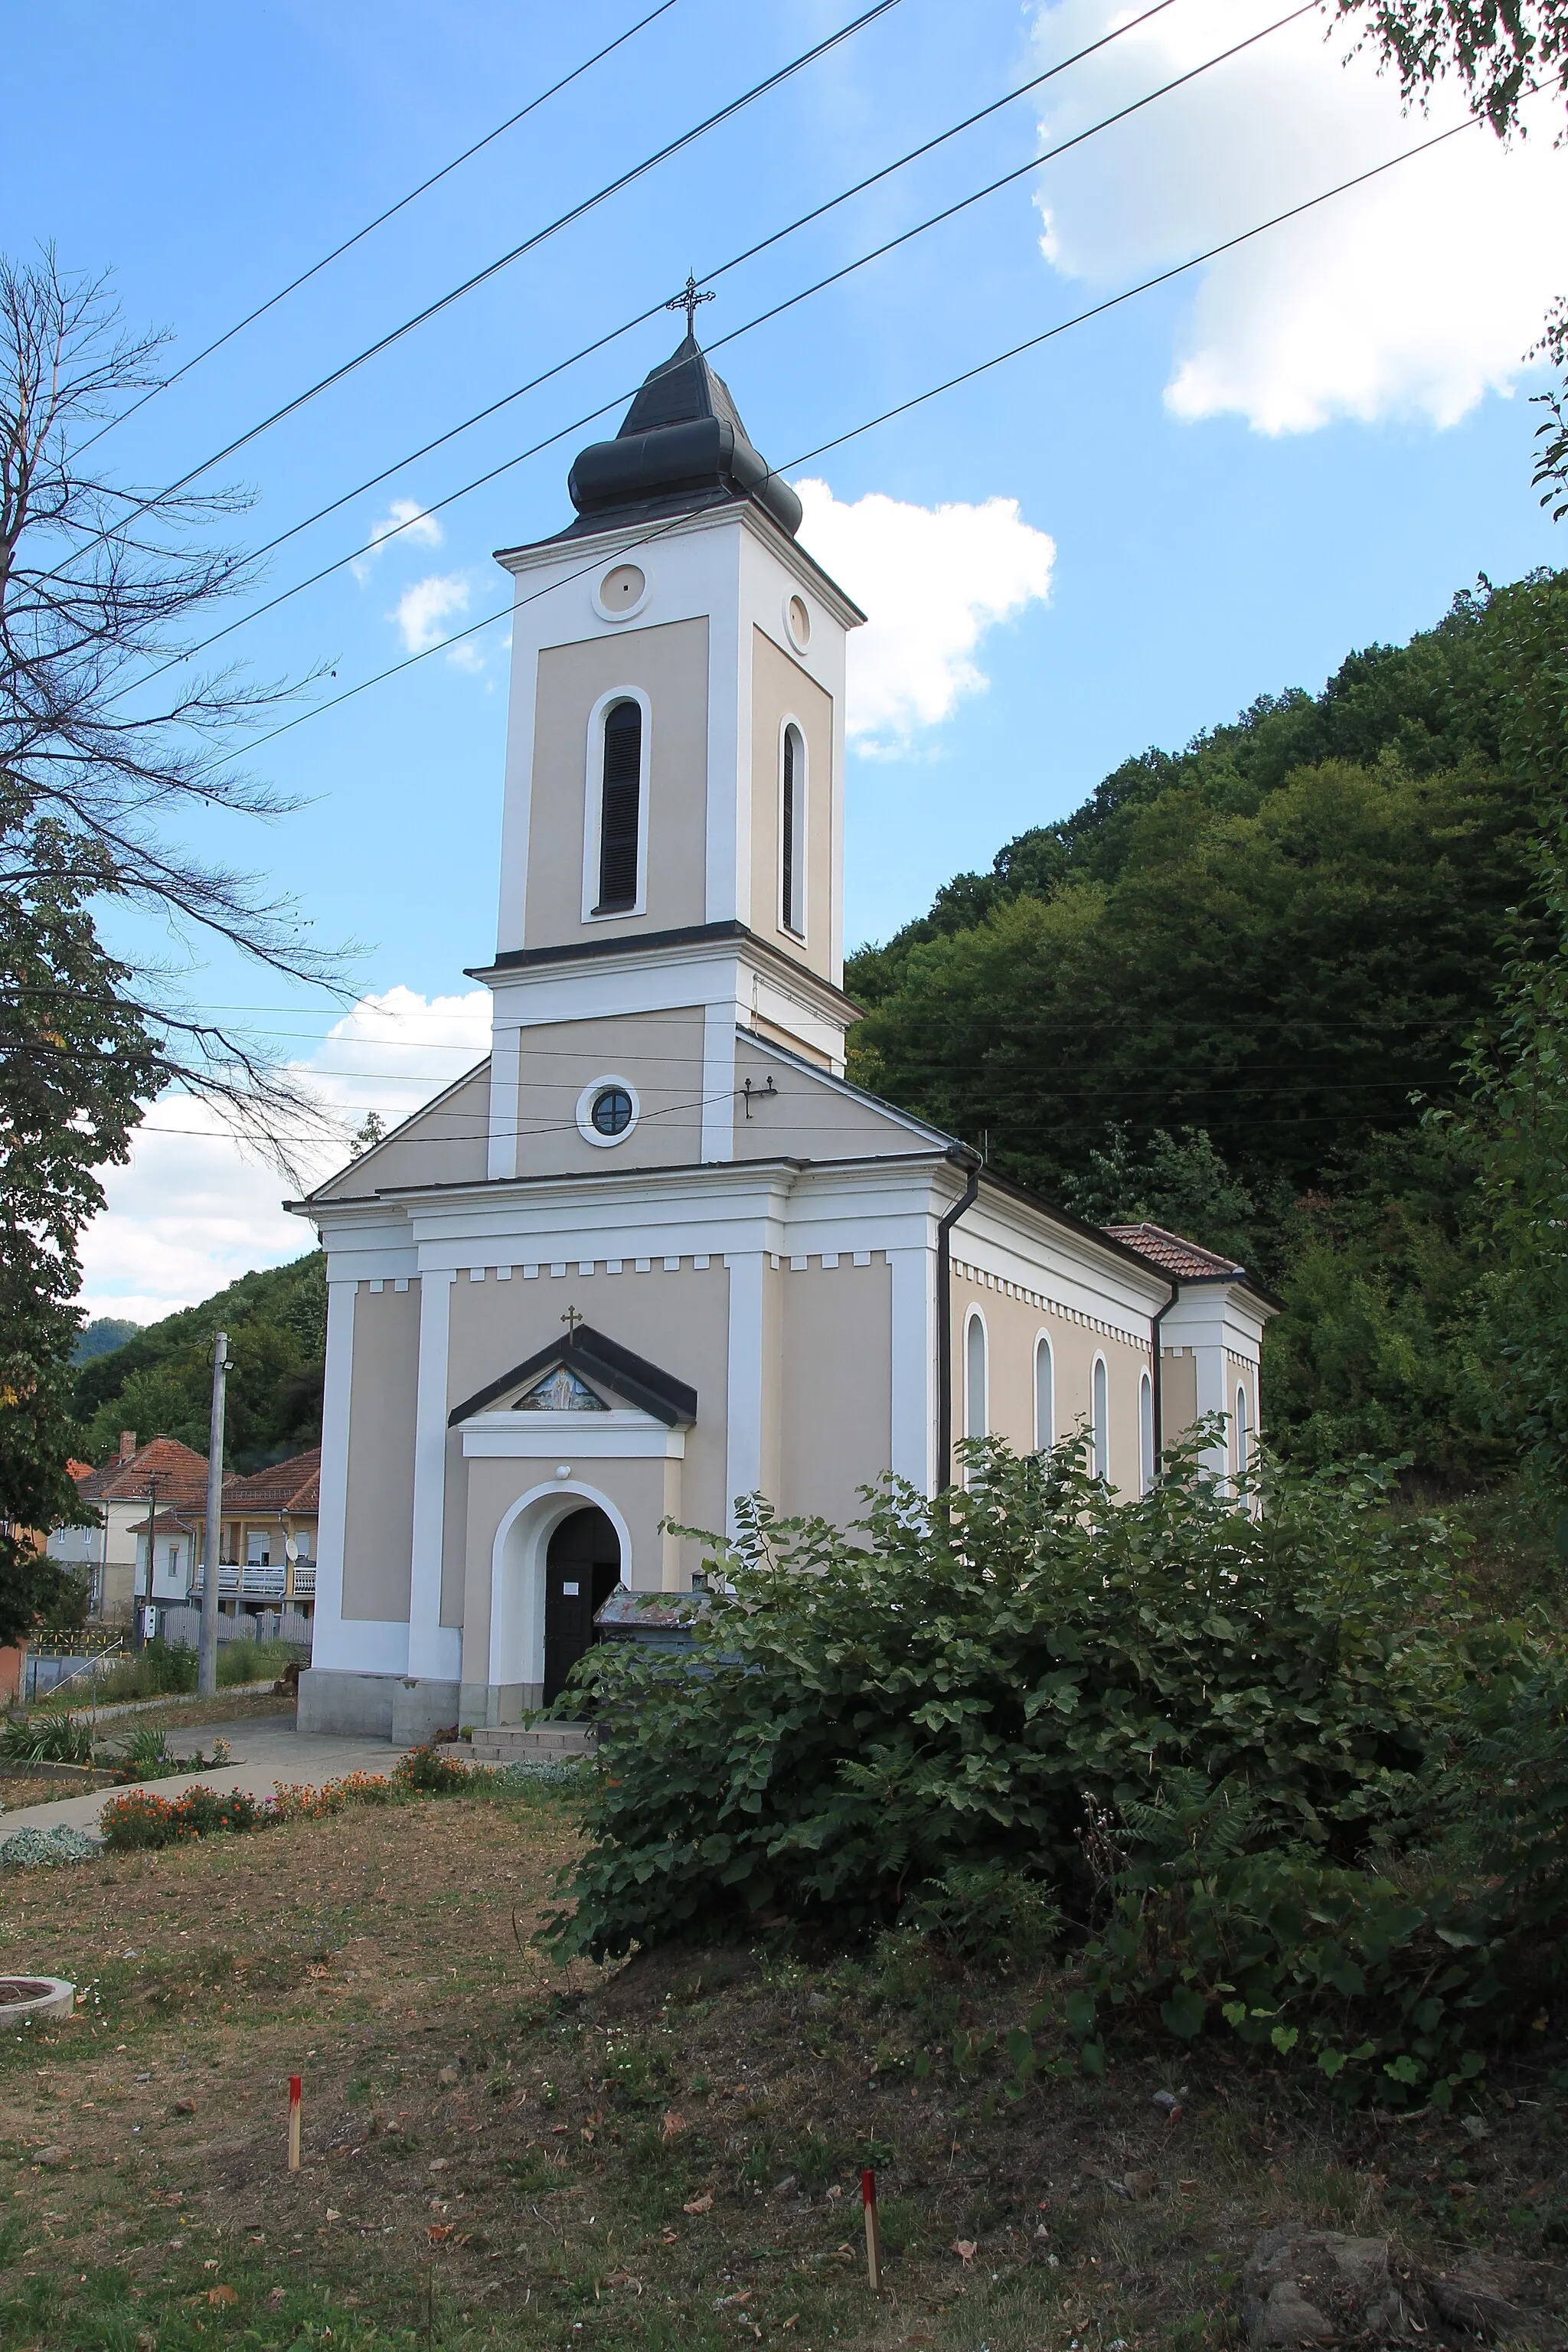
[
  {"x": 873, "y": 2233},
  {"x": 293, "y": 2123}
]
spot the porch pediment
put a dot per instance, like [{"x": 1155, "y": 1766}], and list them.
[{"x": 583, "y": 1374}]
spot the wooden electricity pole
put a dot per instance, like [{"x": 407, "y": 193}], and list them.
[{"x": 206, "y": 1669}]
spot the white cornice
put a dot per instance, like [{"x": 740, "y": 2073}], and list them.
[{"x": 584, "y": 553}]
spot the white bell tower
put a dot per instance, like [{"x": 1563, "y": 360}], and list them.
[{"x": 673, "y": 830}]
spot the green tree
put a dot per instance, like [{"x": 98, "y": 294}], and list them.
[
  {"x": 76, "y": 1063},
  {"x": 161, "y": 1378},
  {"x": 1500, "y": 50},
  {"x": 1517, "y": 1121}
]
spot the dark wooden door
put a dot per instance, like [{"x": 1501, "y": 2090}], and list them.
[{"x": 581, "y": 1569}]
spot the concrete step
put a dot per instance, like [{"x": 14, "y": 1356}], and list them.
[{"x": 517, "y": 1743}]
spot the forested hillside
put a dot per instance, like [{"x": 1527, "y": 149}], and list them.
[
  {"x": 159, "y": 1382},
  {"x": 1231, "y": 990}
]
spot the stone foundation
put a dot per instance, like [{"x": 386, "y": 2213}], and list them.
[{"x": 376, "y": 1706}]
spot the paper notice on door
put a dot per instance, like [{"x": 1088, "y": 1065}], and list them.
[{"x": 570, "y": 1591}]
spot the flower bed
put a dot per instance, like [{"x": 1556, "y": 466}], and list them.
[{"x": 140, "y": 1821}]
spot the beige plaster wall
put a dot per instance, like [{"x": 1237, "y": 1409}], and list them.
[
  {"x": 670, "y": 666},
  {"x": 837, "y": 1364},
  {"x": 780, "y": 688},
  {"x": 807, "y": 1118},
  {"x": 677, "y": 1318},
  {"x": 1013, "y": 1325},
  {"x": 378, "y": 1529},
  {"x": 447, "y": 1144},
  {"x": 1178, "y": 1394},
  {"x": 659, "y": 1053}
]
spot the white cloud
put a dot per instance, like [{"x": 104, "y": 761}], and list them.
[
  {"x": 1413, "y": 296},
  {"x": 408, "y": 521},
  {"x": 191, "y": 1211},
  {"x": 933, "y": 579},
  {"x": 422, "y": 609}
]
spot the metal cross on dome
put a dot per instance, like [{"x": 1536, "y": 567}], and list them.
[{"x": 688, "y": 300}]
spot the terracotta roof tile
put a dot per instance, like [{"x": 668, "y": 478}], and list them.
[
  {"x": 182, "y": 1475},
  {"x": 293, "y": 1486},
  {"x": 1171, "y": 1252}
]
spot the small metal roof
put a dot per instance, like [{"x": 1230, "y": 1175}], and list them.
[{"x": 681, "y": 447}]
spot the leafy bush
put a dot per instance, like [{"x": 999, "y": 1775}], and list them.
[
  {"x": 50, "y": 1737},
  {"x": 159, "y": 1669},
  {"x": 423, "y": 1771},
  {"x": 252, "y": 1662},
  {"x": 146, "y": 1755},
  {"x": 170, "y": 1667},
  {"x": 1218, "y": 1739}
]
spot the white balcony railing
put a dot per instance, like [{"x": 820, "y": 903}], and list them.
[{"x": 249, "y": 1582}]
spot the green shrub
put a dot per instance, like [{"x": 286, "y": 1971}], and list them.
[
  {"x": 160, "y": 1669},
  {"x": 140, "y": 1821},
  {"x": 49, "y": 1737},
  {"x": 425, "y": 1772},
  {"x": 1225, "y": 1743},
  {"x": 252, "y": 1662}
]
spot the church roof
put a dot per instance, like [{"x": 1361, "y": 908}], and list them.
[
  {"x": 682, "y": 447},
  {"x": 603, "y": 1363},
  {"x": 1173, "y": 1254}
]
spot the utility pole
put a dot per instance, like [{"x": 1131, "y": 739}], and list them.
[
  {"x": 147, "y": 1620},
  {"x": 206, "y": 1670}
]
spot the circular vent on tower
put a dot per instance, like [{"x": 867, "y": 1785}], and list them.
[
  {"x": 621, "y": 591},
  {"x": 797, "y": 621}
]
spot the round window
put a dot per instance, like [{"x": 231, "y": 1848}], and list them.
[
  {"x": 797, "y": 620},
  {"x": 612, "y": 1110},
  {"x": 621, "y": 591}
]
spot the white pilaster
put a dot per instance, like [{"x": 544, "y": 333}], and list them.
[
  {"x": 506, "y": 1058},
  {"x": 729, "y": 826},
  {"x": 718, "y": 1082},
  {"x": 427, "y": 1648},
  {"x": 744, "y": 1430},
  {"x": 331, "y": 1643},
  {"x": 912, "y": 1339}
]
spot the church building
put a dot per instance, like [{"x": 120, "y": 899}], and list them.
[{"x": 656, "y": 1252}]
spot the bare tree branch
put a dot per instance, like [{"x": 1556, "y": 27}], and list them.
[{"x": 99, "y": 581}]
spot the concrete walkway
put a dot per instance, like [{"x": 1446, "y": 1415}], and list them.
[{"x": 264, "y": 1752}]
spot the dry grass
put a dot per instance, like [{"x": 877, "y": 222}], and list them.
[{"x": 497, "y": 2153}]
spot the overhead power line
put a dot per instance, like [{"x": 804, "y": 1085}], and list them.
[
  {"x": 709, "y": 277},
  {"x": 901, "y": 408},
  {"x": 503, "y": 261},
  {"x": 776, "y": 310},
  {"x": 381, "y": 219}
]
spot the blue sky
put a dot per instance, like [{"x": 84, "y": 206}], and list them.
[{"x": 1220, "y": 488}]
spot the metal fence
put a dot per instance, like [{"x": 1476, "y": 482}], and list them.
[{"x": 42, "y": 1674}]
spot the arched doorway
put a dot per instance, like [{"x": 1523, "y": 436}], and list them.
[{"x": 581, "y": 1569}]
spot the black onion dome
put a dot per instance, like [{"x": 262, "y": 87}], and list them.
[{"x": 682, "y": 447}]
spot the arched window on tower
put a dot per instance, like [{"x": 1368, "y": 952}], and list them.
[
  {"x": 1241, "y": 1435},
  {"x": 1044, "y": 1397},
  {"x": 791, "y": 836},
  {"x": 976, "y": 1416},
  {"x": 1145, "y": 1434},
  {"x": 620, "y": 809},
  {"x": 1101, "y": 1430}
]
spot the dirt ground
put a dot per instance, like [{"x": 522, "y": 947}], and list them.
[{"x": 497, "y": 2152}]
